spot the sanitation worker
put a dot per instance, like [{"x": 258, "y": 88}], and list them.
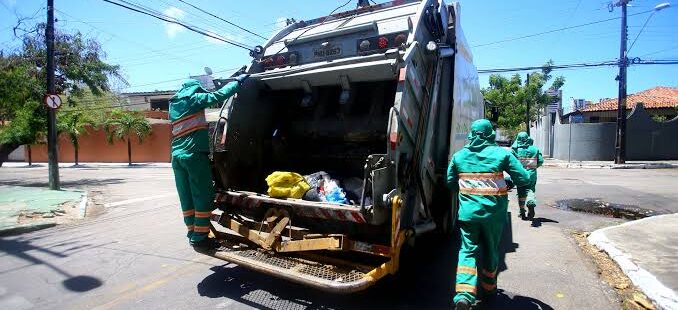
[
  {"x": 476, "y": 171},
  {"x": 190, "y": 161},
  {"x": 531, "y": 158}
]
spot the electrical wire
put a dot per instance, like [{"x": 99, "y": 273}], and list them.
[
  {"x": 557, "y": 30},
  {"x": 224, "y": 20},
  {"x": 580, "y": 65},
  {"x": 165, "y": 18}
]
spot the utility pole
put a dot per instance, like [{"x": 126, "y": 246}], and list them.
[
  {"x": 527, "y": 103},
  {"x": 51, "y": 118},
  {"x": 620, "y": 139}
]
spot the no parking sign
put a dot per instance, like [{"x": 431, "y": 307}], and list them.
[{"x": 52, "y": 101}]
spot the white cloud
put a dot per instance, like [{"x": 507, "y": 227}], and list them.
[{"x": 173, "y": 29}]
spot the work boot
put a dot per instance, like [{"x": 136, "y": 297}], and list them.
[
  {"x": 206, "y": 245},
  {"x": 530, "y": 212},
  {"x": 462, "y": 304},
  {"x": 522, "y": 214}
]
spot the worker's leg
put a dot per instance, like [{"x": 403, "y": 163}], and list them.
[
  {"x": 202, "y": 190},
  {"x": 491, "y": 238},
  {"x": 181, "y": 180},
  {"x": 522, "y": 198},
  {"x": 531, "y": 200},
  {"x": 467, "y": 271}
]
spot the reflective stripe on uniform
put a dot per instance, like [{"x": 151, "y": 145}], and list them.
[
  {"x": 199, "y": 214},
  {"x": 489, "y": 184},
  {"x": 189, "y": 227},
  {"x": 201, "y": 229},
  {"x": 528, "y": 162},
  {"x": 188, "y": 124},
  {"x": 489, "y": 274},
  {"x": 465, "y": 288},
  {"x": 488, "y": 286},
  {"x": 466, "y": 270},
  {"x": 188, "y": 212}
]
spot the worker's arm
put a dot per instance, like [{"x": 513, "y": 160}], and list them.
[
  {"x": 452, "y": 176},
  {"x": 515, "y": 169},
  {"x": 540, "y": 158},
  {"x": 204, "y": 100}
]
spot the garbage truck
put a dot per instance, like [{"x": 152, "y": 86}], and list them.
[{"x": 377, "y": 98}]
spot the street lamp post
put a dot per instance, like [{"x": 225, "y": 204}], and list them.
[{"x": 620, "y": 139}]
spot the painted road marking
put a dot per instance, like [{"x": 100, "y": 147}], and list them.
[{"x": 135, "y": 200}]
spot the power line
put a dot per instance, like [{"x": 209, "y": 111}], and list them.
[
  {"x": 224, "y": 20},
  {"x": 579, "y": 65},
  {"x": 173, "y": 21},
  {"x": 557, "y": 30}
]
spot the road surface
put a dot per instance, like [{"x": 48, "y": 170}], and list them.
[{"x": 134, "y": 254}]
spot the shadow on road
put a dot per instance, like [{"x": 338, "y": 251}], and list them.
[
  {"x": 537, "y": 221},
  {"x": 21, "y": 249},
  {"x": 505, "y": 300},
  {"x": 67, "y": 183}
]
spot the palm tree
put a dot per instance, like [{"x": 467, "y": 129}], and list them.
[
  {"x": 74, "y": 123},
  {"x": 122, "y": 125}
]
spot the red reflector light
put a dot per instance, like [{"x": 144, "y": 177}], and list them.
[
  {"x": 400, "y": 39},
  {"x": 382, "y": 42},
  {"x": 268, "y": 61},
  {"x": 280, "y": 60}
]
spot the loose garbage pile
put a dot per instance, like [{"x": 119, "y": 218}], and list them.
[{"x": 319, "y": 186}]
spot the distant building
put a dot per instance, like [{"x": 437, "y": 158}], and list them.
[
  {"x": 660, "y": 101},
  {"x": 148, "y": 101}
]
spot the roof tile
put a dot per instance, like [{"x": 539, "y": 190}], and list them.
[{"x": 653, "y": 98}]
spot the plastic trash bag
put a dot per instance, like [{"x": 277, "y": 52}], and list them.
[{"x": 283, "y": 184}]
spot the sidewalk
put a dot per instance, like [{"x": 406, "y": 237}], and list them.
[
  {"x": 29, "y": 208},
  {"x": 88, "y": 165},
  {"x": 647, "y": 251},
  {"x": 666, "y": 164}
]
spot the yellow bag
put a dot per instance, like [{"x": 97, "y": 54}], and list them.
[{"x": 283, "y": 184}]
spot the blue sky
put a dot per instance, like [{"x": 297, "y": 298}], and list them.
[{"x": 150, "y": 51}]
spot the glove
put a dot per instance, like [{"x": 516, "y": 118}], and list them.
[{"x": 241, "y": 78}]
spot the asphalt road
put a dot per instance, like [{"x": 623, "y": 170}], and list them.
[{"x": 134, "y": 254}]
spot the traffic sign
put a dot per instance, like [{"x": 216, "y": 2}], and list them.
[{"x": 52, "y": 101}]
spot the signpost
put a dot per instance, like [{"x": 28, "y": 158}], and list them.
[{"x": 52, "y": 101}]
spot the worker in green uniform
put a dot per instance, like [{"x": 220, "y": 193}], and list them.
[
  {"x": 476, "y": 171},
  {"x": 531, "y": 158},
  {"x": 190, "y": 161}
]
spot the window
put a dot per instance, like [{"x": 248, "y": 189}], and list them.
[{"x": 160, "y": 104}]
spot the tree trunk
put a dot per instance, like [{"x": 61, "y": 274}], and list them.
[
  {"x": 129, "y": 151},
  {"x": 75, "y": 149},
  {"x": 5, "y": 150}
]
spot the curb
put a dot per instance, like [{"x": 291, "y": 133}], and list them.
[
  {"x": 26, "y": 228},
  {"x": 662, "y": 296},
  {"x": 611, "y": 166}
]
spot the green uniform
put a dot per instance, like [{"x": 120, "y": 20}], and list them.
[
  {"x": 531, "y": 158},
  {"x": 190, "y": 150},
  {"x": 476, "y": 171}
]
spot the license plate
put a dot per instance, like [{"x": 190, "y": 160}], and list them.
[{"x": 325, "y": 52}]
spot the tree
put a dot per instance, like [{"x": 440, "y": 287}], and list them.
[
  {"x": 78, "y": 68},
  {"x": 74, "y": 123},
  {"x": 510, "y": 95},
  {"x": 123, "y": 124}
]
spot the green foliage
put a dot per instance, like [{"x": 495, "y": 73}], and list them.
[
  {"x": 122, "y": 124},
  {"x": 79, "y": 71},
  {"x": 510, "y": 95}
]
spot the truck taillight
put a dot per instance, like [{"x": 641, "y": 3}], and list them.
[
  {"x": 280, "y": 60},
  {"x": 380, "y": 43}
]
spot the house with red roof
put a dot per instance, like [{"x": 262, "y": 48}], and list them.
[{"x": 660, "y": 102}]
